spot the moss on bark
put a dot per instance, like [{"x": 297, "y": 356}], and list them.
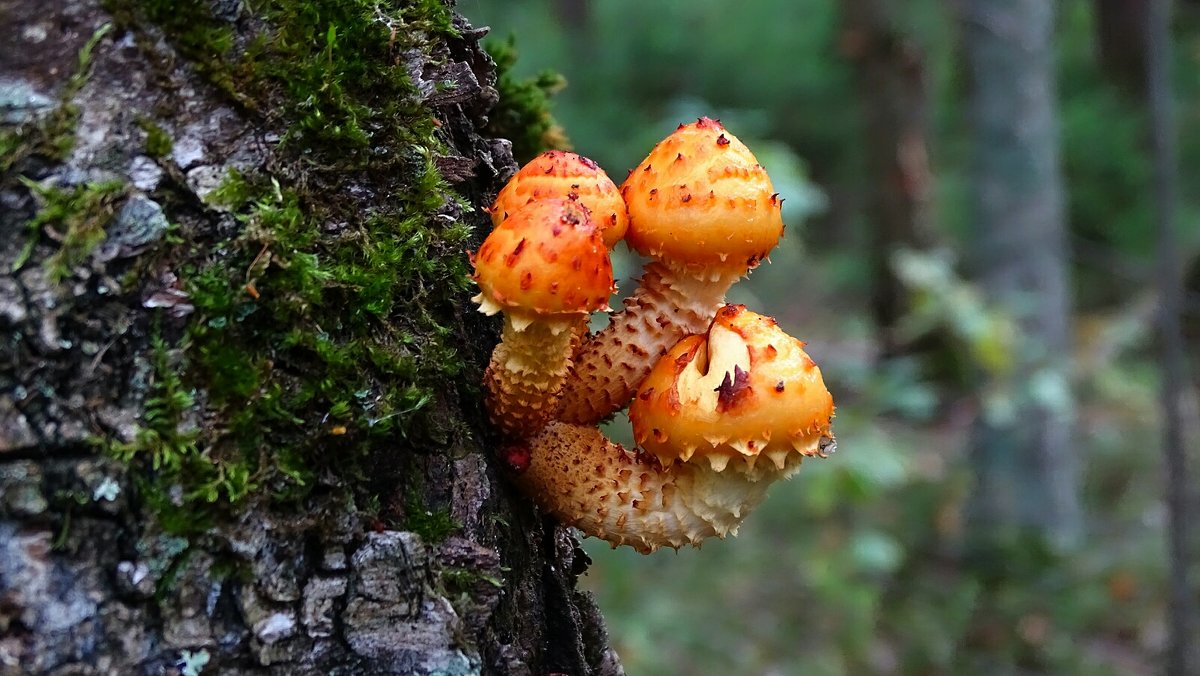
[{"x": 273, "y": 343}]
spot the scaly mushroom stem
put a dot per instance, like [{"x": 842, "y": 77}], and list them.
[
  {"x": 720, "y": 416},
  {"x": 526, "y": 373},
  {"x": 669, "y": 305},
  {"x": 626, "y": 498},
  {"x": 546, "y": 268}
]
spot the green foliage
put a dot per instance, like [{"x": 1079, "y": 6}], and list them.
[
  {"x": 940, "y": 299},
  {"x": 649, "y": 65},
  {"x": 76, "y": 215},
  {"x": 523, "y": 114},
  {"x": 855, "y": 566}
]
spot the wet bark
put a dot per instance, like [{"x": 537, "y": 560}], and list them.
[{"x": 90, "y": 582}]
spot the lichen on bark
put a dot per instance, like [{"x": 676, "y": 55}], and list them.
[{"x": 239, "y": 420}]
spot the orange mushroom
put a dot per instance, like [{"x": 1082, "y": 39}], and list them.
[
  {"x": 706, "y": 212},
  {"x": 558, "y": 173},
  {"x": 562, "y": 174},
  {"x": 744, "y": 390},
  {"x": 708, "y": 410},
  {"x": 544, "y": 267}
]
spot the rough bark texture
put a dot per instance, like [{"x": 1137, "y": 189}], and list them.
[
  {"x": 91, "y": 581},
  {"x": 1023, "y": 453}
]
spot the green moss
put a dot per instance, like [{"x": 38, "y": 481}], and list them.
[
  {"x": 321, "y": 336},
  {"x": 77, "y": 215},
  {"x": 15, "y": 145},
  {"x": 158, "y": 141},
  {"x": 308, "y": 341},
  {"x": 456, "y": 581},
  {"x": 54, "y": 135},
  {"x": 523, "y": 113},
  {"x": 199, "y": 37},
  {"x": 178, "y": 472},
  {"x": 334, "y": 62},
  {"x": 433, "y": 525},
  {"x": 345, "y": 98}
]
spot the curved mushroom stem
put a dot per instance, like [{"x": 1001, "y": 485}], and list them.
[
  {"x": 669, "y": 304},
  {"x": 627, "y": 498},
  {"x": 525, "y": 376}
]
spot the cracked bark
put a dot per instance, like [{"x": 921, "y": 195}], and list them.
[{"x": 89, "y": 584}]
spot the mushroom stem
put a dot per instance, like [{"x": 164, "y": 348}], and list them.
[
  {"x": 670, "y": 303},
  {"x": 627, "y": 498},
  {"x": 526, "y": 373}
]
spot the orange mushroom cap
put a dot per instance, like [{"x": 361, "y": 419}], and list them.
[
  {"x": 558, "y": 173},
  {"x": 743, "y": 390},
  {"x": 547, "y": 258},
  {"x": 702, "y": 200}
]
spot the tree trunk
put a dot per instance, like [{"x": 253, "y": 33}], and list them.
[
  {"x": 240, "y": 422},
  {"x": 1181, "y": 654},
  {"x": 1121, "y": 30},
  {"x": 1023, "y": 449},
  {"x": 891, "y": 77},
  {"x": 575, "y": 16}
]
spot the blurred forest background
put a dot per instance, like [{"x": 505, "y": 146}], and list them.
[{"x": 976, "y": 194}]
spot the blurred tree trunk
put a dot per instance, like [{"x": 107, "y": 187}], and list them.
[
  {"x": 1121, "y": 30},
  {"x": 576, "y": 17},
  {"x": 893, "y": 93},
  {"x": 1023, "y": 448},
  {"x": 1182, "y": 622},
  {"x": 405, "y": 553},
  {"x": 1191, "y": 314},
  {"x": 574, "y": 14}
]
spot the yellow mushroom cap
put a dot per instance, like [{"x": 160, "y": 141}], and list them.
[
  {"x": 547, "y": 258},
  {"x": 743, "y": 390},
  {"x": 557, "y": 173},
  {"x": 700, "y": 199}
]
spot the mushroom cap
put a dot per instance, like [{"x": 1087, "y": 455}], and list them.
[
  {"x": 546, "y": 259},
  {"x": 743, "y": 390},
  {"x": 700, "y": 199},
  {"x": 558, "y": 173}
]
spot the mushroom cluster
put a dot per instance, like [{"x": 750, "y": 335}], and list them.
[{"x": 722, "y": 401}]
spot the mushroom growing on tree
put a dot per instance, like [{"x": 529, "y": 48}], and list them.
[
  {"x": 703, "y": 208},
  {"x": 544, "y": 267},
  {"x": 558, "y": 173},
  {"x": 562, "y": 174},
  {"x": 706, "y": 415}
]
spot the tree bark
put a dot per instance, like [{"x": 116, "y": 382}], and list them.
[
  {"x": 1121, "y": 30},
  {"x": 1181, "y": 616},
  {"x": 117, "y": 143},
  {"x": 1023, "y": 450},
  {"x": 891, "y": 77}
]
